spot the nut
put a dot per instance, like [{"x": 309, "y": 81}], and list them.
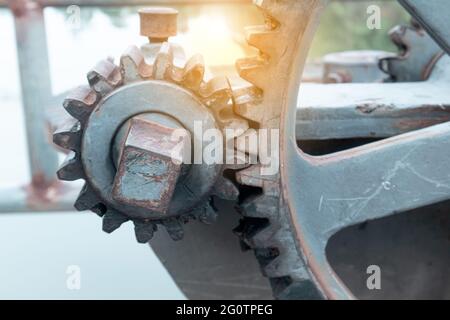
[{"x": 149, "y": 165}]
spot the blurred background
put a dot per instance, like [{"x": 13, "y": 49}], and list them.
[{"x": 37, "y": 248}]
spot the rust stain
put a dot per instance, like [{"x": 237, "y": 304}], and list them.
[
  {"x": 41, "y": 193},
  {"x": 368, "y": 108}
]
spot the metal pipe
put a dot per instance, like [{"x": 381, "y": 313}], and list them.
[
  {"x": 58, "y": 197},
  {"x": 36, "y": 89}
]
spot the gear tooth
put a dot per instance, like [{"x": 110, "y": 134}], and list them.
[
  {"x": 248, "y": 103},
  {"x": 163, "y": 64},
  {"x": 285, "y": 262},
  {"x": 248, "y": 228},
  {"x": 104, "y": 77},
  {"x": 133, "y": 66},
  {"x": 265, "y": 257},
  {"x": 248, "y": 142},
  {"x": 80, "y": 102},
  {"x": 68, "y": 135},
  {"x": 113, "y": 220},
  {"x": 71, "y": 169},
  {"x": 144, "y": 231},
  {"x": 222, "y": 107},
  {"x": 225, "y": 189},
  {"x": 250, "y": 176},
  {"x": 272, "y": 9},
  {"x": 217, "y": 89},
  {"x": 174, "y": 229},
  {"x": 263, "y": 38},
  {"x": 253, "y": 70},
  {"x": 263, "y": 238},
  {"x": 87, "y": 198},
  {"x": 398, "y": 36},
  {"x": 193, "y": 73},
  {"x": 207, "y": 214},
  {"x": 261, "y": 206},
  {"x": 237, "y": 126}
]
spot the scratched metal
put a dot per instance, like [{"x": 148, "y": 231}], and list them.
[
  {"x": 326, "y": 193},
  {"x": 147, "y": 172}
]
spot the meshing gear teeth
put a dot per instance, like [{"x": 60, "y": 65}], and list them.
[
  {"x": 104, "y": 79},
  {"x": 418, "y": 53},
  {"x": 265, "y": 226}
]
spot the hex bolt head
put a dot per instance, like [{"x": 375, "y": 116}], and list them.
[
  {"x": 149, "y": 165},
  {"x": 158, "y": 23}
]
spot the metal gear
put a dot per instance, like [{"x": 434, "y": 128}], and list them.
[
  {"x": 417, "y": 56},
  {"x": 289, "y": 217},
  {"x": 96, "y": 120},
  {"x": 265, "y": 226}
]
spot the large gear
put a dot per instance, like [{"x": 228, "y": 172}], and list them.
[
  {"x": 265, "y": 226},
  {"x": 108, "y": 82},
  {"x": 284, "y": 220}
]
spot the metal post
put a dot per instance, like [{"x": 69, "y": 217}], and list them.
[{"x": 36, "y": 88}]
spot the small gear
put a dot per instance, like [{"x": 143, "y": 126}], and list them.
[{"x": 112, "y": 96}]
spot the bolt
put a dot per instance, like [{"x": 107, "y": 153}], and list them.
[
  {"x": 158, "y": 24},
  {"x": 149, "y": 151}
]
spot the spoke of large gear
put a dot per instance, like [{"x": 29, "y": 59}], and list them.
[
  {"x": 107, "y": 81},
  {"x": 266, "y": 227}
]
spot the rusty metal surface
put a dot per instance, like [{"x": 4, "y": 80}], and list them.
[
  {"x": 375, "y": 110},
  {"x": 275, "y": 75},
  {"x": 147, "y": 171},
  {"x": 158, "y": 24},
  {"x": 165, "y": 83}
]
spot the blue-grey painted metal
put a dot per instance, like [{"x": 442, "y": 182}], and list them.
[
  {"x": 36, "y": 92},
  {"x": 434, "y": 17},
  {"x": 146, "y": 168},
  {"x": 373, "y": 110},
  {"x": 327, "y": 193},
  {"x": 354, "y": 66}
]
